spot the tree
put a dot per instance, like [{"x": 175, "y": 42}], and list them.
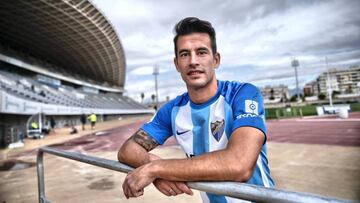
[
  {"x": 321, "y": 96},
  {"x": 272, "y": 94},
  {"x": 349, "y": 89},
  {"x": 284, "y": 97},
  {"x": 335, "y": 93},
  {"x": 294, "y": 98},
  {"x": 142, "y": 95},
  {"x": 153, "y": 98}
]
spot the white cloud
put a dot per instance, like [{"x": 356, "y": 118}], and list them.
[
  {"x": 145, "y": 70},
  {"x": 257, "y": 40}
]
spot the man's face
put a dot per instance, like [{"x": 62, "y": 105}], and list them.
[{"x": 195, "y": 61}]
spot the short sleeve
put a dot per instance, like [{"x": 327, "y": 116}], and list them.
[
  {"x": 160, "y": 126},
  {"x": 248, "y": 108}
]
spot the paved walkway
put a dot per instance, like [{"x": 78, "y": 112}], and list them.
[{"x": 331, "y": 170}]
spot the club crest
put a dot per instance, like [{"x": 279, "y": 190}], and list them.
[{"x": 217, "y": 129}]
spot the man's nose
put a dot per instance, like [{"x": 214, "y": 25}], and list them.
[{"x": 194, "y": 59}]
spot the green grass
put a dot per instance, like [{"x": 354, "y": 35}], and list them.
[
  {"x": 309, "y": 110},
  {"x": 355, "y": 107}
]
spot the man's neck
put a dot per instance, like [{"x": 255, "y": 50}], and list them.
[{"x": 202, "y": 95}]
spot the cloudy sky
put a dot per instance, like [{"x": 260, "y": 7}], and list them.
[{"x": 256, "y": 39}]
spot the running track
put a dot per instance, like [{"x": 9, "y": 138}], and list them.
[
  {"x": 314, "y": 130},
  {"x": 330, "y": 130}
]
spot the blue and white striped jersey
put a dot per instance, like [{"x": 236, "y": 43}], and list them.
[{"x": 208, "y": 127}]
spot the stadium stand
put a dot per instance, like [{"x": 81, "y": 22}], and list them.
[{"x": 60, "y": 59}]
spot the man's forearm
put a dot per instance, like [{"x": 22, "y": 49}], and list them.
[
  {"x": 135, "y": 151},
  {"x": 212, "y": 166},
  {"x": 234, "y": 163}
]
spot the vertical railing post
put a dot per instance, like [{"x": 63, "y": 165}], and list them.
[{"x": 40, "y": 174}]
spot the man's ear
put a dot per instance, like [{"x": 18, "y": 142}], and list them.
[
  {"x": 217, "y": 59},
  {"x": 176, "y": 64}
]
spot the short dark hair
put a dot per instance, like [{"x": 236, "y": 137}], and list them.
[{"x": 191, "y": 25}]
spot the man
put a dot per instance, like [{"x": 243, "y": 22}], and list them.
[
  {"x": 83, "y": 121},
  {"x": 34, "y": 125},
  {"x": 52, "y": 124},
  {"x": 93, "y": 120},
  {"x": 219, "y": 124}
]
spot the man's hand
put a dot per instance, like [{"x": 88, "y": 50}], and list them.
[
  {"x": 172, "y": 188},
  {"x": 137, "y": 180}
]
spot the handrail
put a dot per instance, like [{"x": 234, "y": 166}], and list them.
[{"x": 232, "y": 189}]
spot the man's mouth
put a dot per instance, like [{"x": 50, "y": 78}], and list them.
[{"x": 194, "y": 72}]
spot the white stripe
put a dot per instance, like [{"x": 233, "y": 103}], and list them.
[
  {"x": 235, "y": 200},
  {"x": 183, "y": 122},
  {"x": 217, "y": 113},
  {"x": 262, "y": 172}
]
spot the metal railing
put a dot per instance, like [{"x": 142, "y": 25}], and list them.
[{"x": 232, "y": 189}]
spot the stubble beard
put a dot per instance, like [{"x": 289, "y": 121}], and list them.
[{"x": 201, "y": 85}]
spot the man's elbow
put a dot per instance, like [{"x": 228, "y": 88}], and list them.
[
  {"x": 243, "y": 175},
  {"x": 122, "y": 154}
]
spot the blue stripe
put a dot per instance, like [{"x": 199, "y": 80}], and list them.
[
  {"x": 256, "y": 178},
  {"x": 174, "y": 113},
  {"x": 228, "y": 119},
  {"x": 265, "y": 164},
  {"x": 200, "y": 119},
  {"x": 216, "y": 198}
]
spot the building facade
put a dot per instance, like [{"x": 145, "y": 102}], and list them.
[
  {"x": 344, "y": 81},
  {"x": 275, "y": 94}
]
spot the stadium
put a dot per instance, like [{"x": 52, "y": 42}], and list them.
[
  {"x": 63, "y": 59},
  {"x": 59, "y": 59}
]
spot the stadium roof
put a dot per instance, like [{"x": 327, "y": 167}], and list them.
[{"x": 71, "y": 34}]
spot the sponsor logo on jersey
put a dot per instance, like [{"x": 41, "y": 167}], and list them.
[
  {"x": 251, "y": 107},
  {"x": 217, "y": 129},
  {"x": 246, "y": 115}
]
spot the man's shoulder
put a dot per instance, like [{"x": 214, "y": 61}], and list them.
[
  {"x": 231, "y": 87},
  {"x": 180, "y": 100}
]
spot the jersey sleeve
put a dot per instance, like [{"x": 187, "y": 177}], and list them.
[
  {"x": 160, "y": 126},
  {"x": 248, "y": 108}
]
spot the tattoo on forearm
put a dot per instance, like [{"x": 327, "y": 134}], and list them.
[{"x": 144, "y": 140}]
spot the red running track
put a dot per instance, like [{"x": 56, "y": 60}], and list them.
[
  {"x": 313, "y": 130},
  {"x": 317, "y": 130}
]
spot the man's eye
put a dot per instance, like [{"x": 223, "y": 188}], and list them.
[
  {"x": 183, "y": 54},
  {"x": 202, "y": 53}
]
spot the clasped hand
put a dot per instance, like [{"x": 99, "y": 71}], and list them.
[{"x": 137, "y": 180}]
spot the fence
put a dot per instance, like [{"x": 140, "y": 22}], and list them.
[
  {"x": 232, "y": 189},
  {"x": 10, "y": 134}
]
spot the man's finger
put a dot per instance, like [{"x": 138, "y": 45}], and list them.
[
  {"x": 176, "y": 189},
  {"x": 184, "y": 188},
  {"x": 163, "y": 186},
  {"x": 135, "y": 191},
  {"x": 125, "y": 190},
  {"x": 164, "y": 191},
  {"x": 139, "y": 193}
]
